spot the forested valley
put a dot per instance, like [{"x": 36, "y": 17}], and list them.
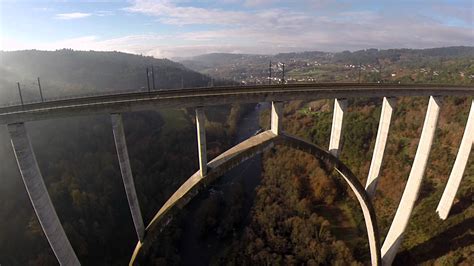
[
  {"x": 301, "y": 212},
  {"x": 304, "y": 213},
  {"x": 77, "y": 155}
]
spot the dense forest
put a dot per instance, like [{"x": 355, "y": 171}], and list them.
[
  {"x": 78, "y": 160},
  {"x": 300, "y": 212},
  {"x": 66, "y": 73},
  {"x": 427, "y": 235},
  {"x": 304, "y": 213}
]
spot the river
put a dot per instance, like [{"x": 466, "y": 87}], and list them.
[{"x": 196, "y": 250}]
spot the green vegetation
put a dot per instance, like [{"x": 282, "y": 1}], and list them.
[
  {"x": 79, "y": 163},
  {"x": 71, "y": 73},
  {"x": 292, "y": 219},
  {"x": 427, "y": 234},
  {"x": 298, "y": 195},
  {"x": 301, "y": 213},
  {"x": 450, "y": 65},
  {"x": 304, "y": 213}
]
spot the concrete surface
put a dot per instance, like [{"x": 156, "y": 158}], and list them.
[
  {"x": 382, "y": 134},
  {"x": 410, "y": 194},
  {"x": 195, "y": 97},
  {"x": 340, "y": 106},
  {"x": 201, "y": 140},
  {"x": 39, "y": 196},
  {"x": 457, "y": 172},
  {"x": 276, "y": 117},
  {"x": 127, "y": 176}
]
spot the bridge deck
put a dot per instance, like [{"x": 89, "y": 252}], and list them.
[{"x": 208, "y": 96}]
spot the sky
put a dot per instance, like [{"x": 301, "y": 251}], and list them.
[{"x": 182, "y": 28}]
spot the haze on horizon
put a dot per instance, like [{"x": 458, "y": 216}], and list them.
[{"x": 164, "y": 28}]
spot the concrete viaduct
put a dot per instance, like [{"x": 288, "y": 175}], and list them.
[{"x": 15, "y": 118}]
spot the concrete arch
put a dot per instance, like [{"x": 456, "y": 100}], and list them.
[{"x": 240, "y": 153}]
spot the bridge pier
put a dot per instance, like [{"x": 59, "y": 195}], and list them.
[
  {"x": 201, "y": 137},
  {"x": 410, "y": 194},
  {"x": 127, "y": 176},
  {"x": 340, "y": 106},
  {"x": 39, "y": 196},
  {"x": 380, "y": 142},
  {"x": 455, "y": 177},
  {"x": 277, "y": 117}
]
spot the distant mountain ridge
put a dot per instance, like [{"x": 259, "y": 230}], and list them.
[
  {"x": 360, "y": 56},
  {"x": 330, "y": 67}
]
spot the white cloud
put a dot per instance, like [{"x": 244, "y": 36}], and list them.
[
  {"x": 170, "y": 13},
  {"x": 340, "y": 29},
  {"x": 255, "y": 3},
  {"x": 331, "y": 35},
  {"x": 43, "y": 9},
  {"x": 74, "y": 15},
  {"x": 104, "y": 13},
  {"x": 268, "y": 30}
]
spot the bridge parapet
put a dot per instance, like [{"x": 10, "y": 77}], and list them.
[{"x": 211, "y": 96}]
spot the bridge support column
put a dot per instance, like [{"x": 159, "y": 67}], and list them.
[
  {"x": 277, "y": 117},
  {"x": 410, "y": 194},
  {"x": 201, "y": 137},
  {"x": 455, "y": 177},
  {"x": 39, "y": 196},
  {"x": 340, "y": 106},
  {"x": 127, "y": 176},
  {"x": 382, "y": 135}
]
